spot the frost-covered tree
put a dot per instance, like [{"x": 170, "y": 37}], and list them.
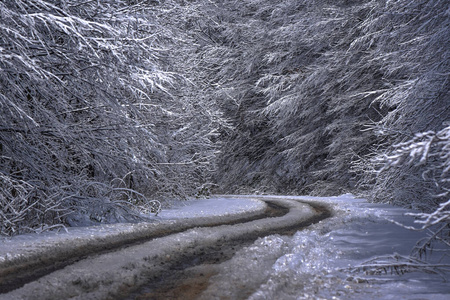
[
  {"x": 298, "y": 97},
  {"x": 320, "y": 90},
  {"x": 411, "y": 46},
  {"x": 97, "y": 115},
  {"x": 410, "y": 166},
  {"x": 313, "y": 87}
]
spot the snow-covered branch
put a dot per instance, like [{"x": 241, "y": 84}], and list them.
[{"x": 93, "y": 91}]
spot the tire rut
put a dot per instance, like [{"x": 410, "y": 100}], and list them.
[
  {"x": 190, "y": 277},
  {"x": 21, "y": 273},
  {"x": 136, "y": 269}
]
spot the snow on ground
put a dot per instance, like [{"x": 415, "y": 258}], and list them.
[
  {"x": 313, "y": 264},
  {"x": 114, "y": 274},
  {"x": 19, "y": 246},
  {"x": 211, "y": 207}
]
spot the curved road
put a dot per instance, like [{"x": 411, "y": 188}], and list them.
[{"x": 150, "y": 263}]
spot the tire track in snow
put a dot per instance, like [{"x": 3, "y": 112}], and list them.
[
  {"x": 18, "y": 271},
  {"x": 188, "y": 280},
  {"x": 118, "y": 273}
]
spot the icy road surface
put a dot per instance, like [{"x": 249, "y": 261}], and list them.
[{"x": 310, "y": 264}]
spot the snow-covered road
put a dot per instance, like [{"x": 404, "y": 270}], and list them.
[
  {"x": 116, "y": 273},
  {"x": 26, "y": 257},
  {"x": 226, "y": 262}
]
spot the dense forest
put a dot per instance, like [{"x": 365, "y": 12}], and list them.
[{"x": 110, "y": 108}]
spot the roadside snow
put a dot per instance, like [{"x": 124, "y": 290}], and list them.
[{"x": 313, "y": 264}]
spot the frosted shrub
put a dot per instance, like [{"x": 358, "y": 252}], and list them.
[
  {"x": 430, "y": 152},
  {"x": 23, "y": 205},
  {"x": 421, "y": 168}
]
